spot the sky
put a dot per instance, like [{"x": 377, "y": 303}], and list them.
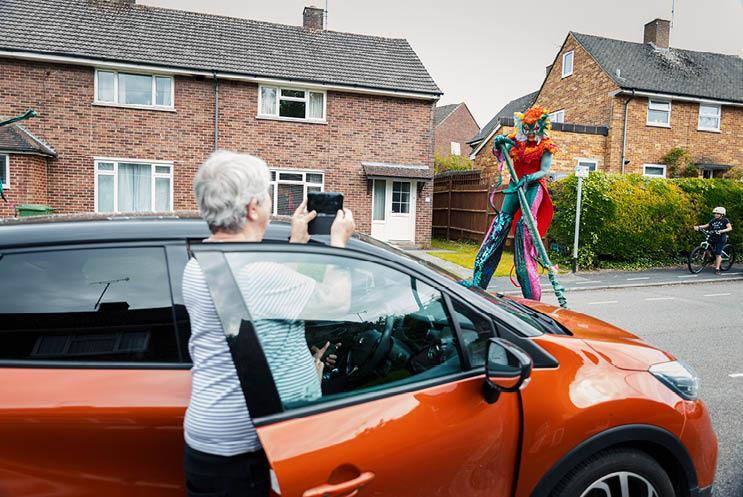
[{"x": 489, "y": 52}]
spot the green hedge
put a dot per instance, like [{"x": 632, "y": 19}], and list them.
[{"x": 631, "y": 218}]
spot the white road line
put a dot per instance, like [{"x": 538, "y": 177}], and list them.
[
  {"x": 635, "y": 279},
  {"x": 717, "y": 294},
  {"x": 736, "y": 375},
  {"x": 730, "y": 274},
  {"x": 604, "y": 302},
  {"x": 585, "y": 282},
  {"x": 688, "y": 276},
  {"x": 660, "y": 298}
]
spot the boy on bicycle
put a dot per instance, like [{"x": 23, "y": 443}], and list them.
[{"x": 719, "y": 227}]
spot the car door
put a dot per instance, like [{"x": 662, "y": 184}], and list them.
[
  {"x": 401, "y": 411},
  {"x": 93, "y": 381}
]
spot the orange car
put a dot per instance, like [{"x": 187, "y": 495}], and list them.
[{"x": 438, "y": 390}]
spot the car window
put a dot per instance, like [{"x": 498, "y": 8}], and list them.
[
  {"x": 393, "y": 330},
  {"x": 476, "y": 329},
  {"x": 107, "y": 304}
]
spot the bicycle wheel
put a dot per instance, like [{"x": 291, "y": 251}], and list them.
[
  {"x": 728, "y": 257},
  {"x": 698, "y": 260}
]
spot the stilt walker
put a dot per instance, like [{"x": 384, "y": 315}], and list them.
[{"x": 528, "y": 153}]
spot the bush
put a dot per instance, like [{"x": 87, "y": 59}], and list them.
[
  {"x": 631, "y": 219},
  {"x": 451, "y": 163},
  {"x": 680, "y": 163}
]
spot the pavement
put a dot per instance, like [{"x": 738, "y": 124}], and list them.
[
  {"x": 701, "y": 324},
  {"x": 597, "y": 280}
]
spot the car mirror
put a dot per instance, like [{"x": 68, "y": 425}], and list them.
[{"x": 507, "y": 368}]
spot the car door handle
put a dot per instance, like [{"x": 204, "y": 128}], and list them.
[{"x": 346, "y": 489}]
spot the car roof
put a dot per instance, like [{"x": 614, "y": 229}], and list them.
[{"x": 67, "y": 229}]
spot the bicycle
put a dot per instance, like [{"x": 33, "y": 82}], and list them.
[{"x": 702, "y": 256}]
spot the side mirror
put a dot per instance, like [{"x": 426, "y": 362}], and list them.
[{"x": 507, "y": 368}]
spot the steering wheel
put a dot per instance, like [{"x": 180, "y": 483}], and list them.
[{"x": 369, "y": 349}]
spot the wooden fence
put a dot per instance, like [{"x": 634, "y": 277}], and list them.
[{"x": 460, "y": 205}]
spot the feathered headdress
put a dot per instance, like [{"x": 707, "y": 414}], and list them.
[{"x": 535, "y": 120}]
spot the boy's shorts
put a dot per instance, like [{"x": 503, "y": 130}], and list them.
[{"x": 717, "y": 245}]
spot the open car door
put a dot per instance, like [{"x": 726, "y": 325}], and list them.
[{"x": 401, "y": 411}]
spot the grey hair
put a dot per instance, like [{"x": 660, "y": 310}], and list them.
[{"x": 225, "y": 184}]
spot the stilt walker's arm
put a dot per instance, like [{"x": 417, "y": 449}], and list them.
[
  {"x": 29, "y": 114},
  {"x": 532, "y": 227}
]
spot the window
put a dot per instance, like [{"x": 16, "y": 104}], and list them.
[
  {"x": 654, "y": 170},
  {"x": 289, "y": 188},
  {"x": 5, "y": 170},
  {"x": 475, "y": 330},
  {"x": 592, "y": 164},
  {"x": 138, "y": 90},
  {"x": 659, "y": 113},
  {"x": 291, "y": 103},
  {"x": 400, "y": 197},
  {"x": 397, "y": 329},
  {"x": 133, "y": 186},
  {"x": 709, "y": 117},
  {"x": 456, "y": 149},
  {"x": 558, "y": 116},
  {"x": 567, "y": 64},
  {"x": 109, "y": 304}
]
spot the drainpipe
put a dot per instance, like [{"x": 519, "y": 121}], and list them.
[
  {"x": 216, "y": 111},
  {"x": 624, "y": 133}
]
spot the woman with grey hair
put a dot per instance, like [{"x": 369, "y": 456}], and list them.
[{"x": 223, "y": 455}]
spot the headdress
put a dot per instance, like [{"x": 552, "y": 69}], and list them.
[{"x": 535, "y": 120}]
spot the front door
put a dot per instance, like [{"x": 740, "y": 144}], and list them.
[
  {"x": 400, "y": 412},
  {"x": 393, "y": 210}
]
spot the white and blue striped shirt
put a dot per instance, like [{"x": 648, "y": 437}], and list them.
[{"x": 217, "y": 419}]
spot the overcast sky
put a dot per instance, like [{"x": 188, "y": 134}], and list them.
[{"x": 488, "y": 52}]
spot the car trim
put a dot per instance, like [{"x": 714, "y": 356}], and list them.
[
  {"x": 43, "y": 364},
  {"x": 619, "y": 435}
]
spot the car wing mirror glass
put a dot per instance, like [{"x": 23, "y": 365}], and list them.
[{"x": 507, "y": 367}]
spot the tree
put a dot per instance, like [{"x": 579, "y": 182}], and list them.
[{"x": 680, "y": 163}]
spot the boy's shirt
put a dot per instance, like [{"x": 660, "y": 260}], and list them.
[{"x": 716, "y": 225}]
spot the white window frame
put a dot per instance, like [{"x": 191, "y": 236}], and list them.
[
  {"x": 6, "y": 184},
  {"x": 116, "y": 102},
  {"x": 115, "y": 173},
  {"x": 571, "y": 53},
  {"x": 456, "y": 148},
  {"x": 652, "y": 101},
  {"x": 586, "y": 160},
  {"x": 558, "y": 113},
  {"x": 718, "y": 116},
  {"x": 304, "y": 172},
  {"x": 306, "y": 100},
  {"x": 645, "y": 166}
]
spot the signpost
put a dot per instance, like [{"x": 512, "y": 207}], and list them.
[{"x": 581, "y": 172}]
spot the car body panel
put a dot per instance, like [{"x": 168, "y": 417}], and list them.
[
  {"x": 444, "y": 441},
  {"x": 92, "y": 432},
  {"x": 699, "y": 438}
]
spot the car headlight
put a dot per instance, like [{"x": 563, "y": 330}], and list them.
[{"x": 679, "y": 377}]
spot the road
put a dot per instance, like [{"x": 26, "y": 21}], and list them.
[{"x": 701, "y": 324}]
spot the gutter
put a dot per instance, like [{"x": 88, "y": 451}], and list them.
[
  {"x": 216, "y": 111},
  {"x": 624, "y": 133},
  {"x": 669, "y": 96}
]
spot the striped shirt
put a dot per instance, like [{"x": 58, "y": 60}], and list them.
[{"x": 217, "y": 420}]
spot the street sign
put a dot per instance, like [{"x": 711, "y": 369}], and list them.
[{"x": 582, "y": 171}]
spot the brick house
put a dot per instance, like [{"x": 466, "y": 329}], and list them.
[
  {"x": 620, "y": 106},
  {"x": 132, "y": 99},
  {"x": 453, "y": 126}
]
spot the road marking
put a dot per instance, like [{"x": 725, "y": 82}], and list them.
[
  {"x": 660, "y": 298},
  {"x": 736, "y": 375},
  {"x": 585, "y": 282},
  {"x": 717, "y": 294},
  {"x": 635, "y": 279},
  {"x": 730, "y": 274},
  {"x": 604, "y": 302},
  {"x": 688, "y": 276}
]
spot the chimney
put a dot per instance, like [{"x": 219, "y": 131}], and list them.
[
  {"x": 658, "y": 32},
  {"x": 314, "y": 18},
  {"x": 547, "y": 73}
]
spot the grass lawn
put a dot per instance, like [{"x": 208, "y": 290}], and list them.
[{"x": 464, "y": 253}]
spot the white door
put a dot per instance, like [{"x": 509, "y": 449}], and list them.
[{"x": 393, "y": 210}]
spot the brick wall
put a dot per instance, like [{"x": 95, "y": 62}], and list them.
[
  {"x": 359, "y": 128},
  {"x": 584, "y": 95},
  {"x": 460, "y": 127},
  {"x": 648, "y": 144},
  {"x": 28, "y": 182}
]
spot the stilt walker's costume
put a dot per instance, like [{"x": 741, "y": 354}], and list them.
[{"x": 531, "y": 151}]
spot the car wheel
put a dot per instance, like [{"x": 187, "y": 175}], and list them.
[{"x": 616, "y": 473}]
